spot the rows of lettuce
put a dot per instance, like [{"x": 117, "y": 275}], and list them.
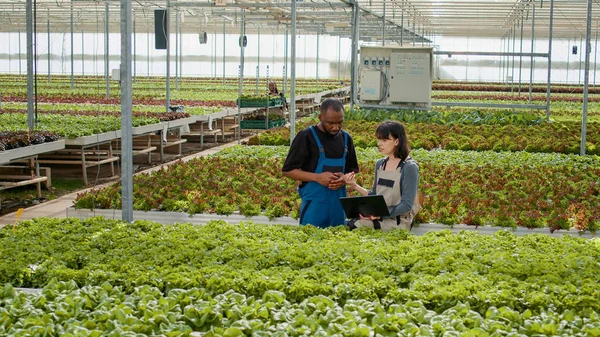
[
  {"x": 505, "y": 189},
  {"x": 478, "y": 131},
  {"x": 234, "y": 280}
]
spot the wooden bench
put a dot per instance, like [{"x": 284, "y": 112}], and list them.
[
  {"x": 16, "y": 176},
  {"x": 86, "y": 156}
]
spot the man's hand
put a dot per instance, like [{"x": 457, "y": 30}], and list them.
[
  {"x": 337, "y": 182},
  {"x": 370, "y": 217},
  {"x": 326, "y": 178}
]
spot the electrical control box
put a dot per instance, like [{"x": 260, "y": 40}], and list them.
[
  {"x": 404, "y": 75},
  {"x": 370, "y": 89}
]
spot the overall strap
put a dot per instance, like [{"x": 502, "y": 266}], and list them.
[
  {"x": 319, "y": 145},
  {"x": 345, "y": 144}
]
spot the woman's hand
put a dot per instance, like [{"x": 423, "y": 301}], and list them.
[{"x": 350, "y": 179}]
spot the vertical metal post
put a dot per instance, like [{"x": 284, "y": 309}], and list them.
[
  {"x": 258, "y": 59},
  {"x": 106, "y": 50},
  {"x": 354, "y": 52},
  {"x": 549, "y": 60},
  {"x": 383, "y": 26},
  {"x": 126, "y": 118},
  {"x": 402, "y": 27},
  {"x": 257, "y": 77},
  {"x": 29, "y": 23},
  {"x": 19, "y": 34},
  {"x": 531, "y": 65},
  {"x": 181, "y": 51},
  {"x": 168, "y": 33},
  {"x": 134, "y": 56},
  {"x": 293, "y": 76},
  {"x": 595, "y": 56},
  {"x": 9, "y": 52},
  {"x": 285, "y": 61},
  {"x": 304, "y": 52},
  {"x": 514, "y": 48},
  {"x": 339, "y": 56},
  {"x": 82, "y": 54},
  {"x": 176, "y": 50},
  {"x": 72, "y": 52},
  {"x": 215, "y": 42},
  {"x": 223, "y": 52},
  {"x": 317, "y": 75},
  {"x": 148, "y": 53},
  {"x": 414, "y": 35},
  {"x": 241, "y": 76},
  {"x": 586, "y": 77},
  {"x": 521, "y": 53},
  {"x": 501, "y": 60},
  {"x": 507, "y": 58},
  {"x": 49, "y": 49},
  {"x": 568, "y": 56}
]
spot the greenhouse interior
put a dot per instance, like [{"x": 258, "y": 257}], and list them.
[{"x": 219, "y": 168}]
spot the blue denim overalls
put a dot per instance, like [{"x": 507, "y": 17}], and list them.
[{"x": 321, "y": 206}]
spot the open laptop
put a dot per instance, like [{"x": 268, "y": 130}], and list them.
[{"x": 368, "y": 205}]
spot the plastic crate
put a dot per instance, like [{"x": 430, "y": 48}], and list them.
[
  {"x": 273, "y": 102},
  {"x": 260, "y": 124}
]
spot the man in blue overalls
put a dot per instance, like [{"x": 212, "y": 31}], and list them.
[{"x": 319, "y": 157}]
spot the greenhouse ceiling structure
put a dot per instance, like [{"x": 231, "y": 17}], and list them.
[{"x": 381, "y": 20}]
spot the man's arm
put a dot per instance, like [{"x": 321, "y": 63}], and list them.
[{"x": 324, "y": 178}]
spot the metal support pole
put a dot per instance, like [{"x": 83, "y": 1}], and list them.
[
  {"x": 106, "y": 51},
  {"x": 317, "y": 75},
  {"x": 586, "y": 77},
  {"x": 148, "y": 54},
  {"x": 402, "y": 28},
  {"x": 531, "y": 65},
  {"x": 549, "y": 59},
  {"x": 134, "y": 56},
  {"x": 126, "y": 114},
  {"x": 82, "y": 54},
  {"x": 521, "y": 54},
  {"x": 19, "y": 34},
  {"x": 49, "y": 49},
  {"x": 339, "y": 56},
  {"x": 176, "y": 50},
  {"x": 9, "y": 52},
  {"x": 293, "y": 76},
  {"x": 29, "y": 23},
  {"x": 501, "y": 60},
  {"x": 354, "y": 53},
  {"x": 181, "y": 51},
  {"x": 383, "y": 26},
  {"x": 72, "y": 53},
  {"x": 223, "y": 52},
  {"x": 215, "y": 42},
  {"x": 285, "y": 61},
  {"x": 168, "y": 33},
  {"x": 414, "y": 35},
  {"x": 304, "y": 52},
  {"x": 241, "y": 76},
  {"x": 507, "y": 57},
  {"x": 258, "y": 58},
  {"x": 514, "y": 48},
  {"x": 568, "y": 56},
  {"x": 595, "y": 56}
]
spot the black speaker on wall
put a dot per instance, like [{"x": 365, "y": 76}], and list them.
[{"x": 161, "y": 28}]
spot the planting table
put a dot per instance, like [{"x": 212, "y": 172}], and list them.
[{"x": 18, "y": 175}]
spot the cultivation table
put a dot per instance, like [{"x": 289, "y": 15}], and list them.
[
  {"x": 162, "y": 139},
  {"x": 30, "y": 173},
  {"x": 87, "y": 151}
]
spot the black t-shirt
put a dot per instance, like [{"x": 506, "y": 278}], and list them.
[{"x": 304, "y": 152}]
